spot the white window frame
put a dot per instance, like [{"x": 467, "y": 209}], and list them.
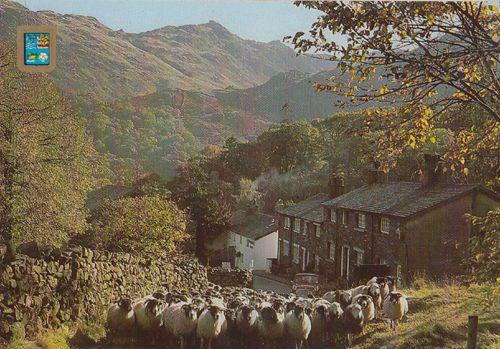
[
  {"x": 304, "y": 230},
  {"x": 296, "y": 253},
  {"x": 342, "y": 271},
  {"x": 280, "y": 248},
  {"x": 317, "y": 230},
  {"x": 286, "y": 223},
  {"x": 286, "y": 248},
  {"x": 317, "y": 262},
  {"x": 384, "y": 228},
  {"x": 361, "y": 222},
  {"x": 333, "y": 215},
  {"x": 344, "y": 218},
  {"x": 250, "y": 243},
  {"x": 331, "y": 252},
  {"x": 296, "y": 225},
  {"x": 359, "y": 252}
]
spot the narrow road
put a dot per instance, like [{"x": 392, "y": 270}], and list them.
[{"x": 266, "y": 284}]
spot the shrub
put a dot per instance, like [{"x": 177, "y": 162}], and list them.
[{"x": 150, "y": 225}]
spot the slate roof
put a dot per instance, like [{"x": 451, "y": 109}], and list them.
[
  {"x": 253, "y": 225},
  {"x": 401, "y": 199},
  {"x": 309, "y": 209}
]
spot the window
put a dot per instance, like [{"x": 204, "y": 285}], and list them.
[
  {"x": 304, "y": 231},
  {"x": 317, "y": 230},
  {"x": 398, "y": 232},
  {"x": 286, "y": 248},
  {"x": 331, "y": 250},
  {"x": 295, "y": 254},
  {"x": 344, "y": 217},
  {"x": 361, "y": 220},
  {"x": 287, "y": 223},
  {"x": 296, "y": 225},
  {"x": 359, "y": 256},
  {"x": 385, "y": 223},
  {"x": 333, "y": 215},
  {"x": 241, "y": 240},
  {"x": 280, "y": 247},
  {"x": 250, "y": 244}
]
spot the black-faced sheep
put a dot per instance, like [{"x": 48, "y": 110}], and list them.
[
  {"x": 352, "y": 321},
  {"x": 366, "y": 303},
  {"x": 179, "y": 321},
  {"x": 298, "y": 325},
  {"x": 120, "y": 319},
  {"x": 271, "y": 325},
  {"x": 395, "y": 308},
  {"x": 210, "y": 325},
  {"x": 319, "y": 323},
  {"x": 148, "y": 315}
]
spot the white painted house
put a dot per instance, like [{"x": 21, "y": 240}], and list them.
[{"x": 251, "y": 243}]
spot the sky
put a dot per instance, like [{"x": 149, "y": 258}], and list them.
[{"x": 261, "y": 20}]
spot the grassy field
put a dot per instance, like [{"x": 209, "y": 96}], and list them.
[{"x": 437, "y": 319}]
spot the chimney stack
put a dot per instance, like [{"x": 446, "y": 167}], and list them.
[
  {"x": 374, "y": 174},
  {"x": 335, "y": 185},
  {"x": 432, "y": 170}
]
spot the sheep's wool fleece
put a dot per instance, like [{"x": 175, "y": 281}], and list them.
[
  {"x": 296, "y": 328},
  {"x": 120, "y": 319},
  {"x": 272, "y": 330},
  {"x": 395, "y": 311},
  {"x": 208, "y": 327},
  {"x": 176, "y": 321}
]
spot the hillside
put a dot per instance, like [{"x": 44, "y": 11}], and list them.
[{"x": 94, "y": 58}]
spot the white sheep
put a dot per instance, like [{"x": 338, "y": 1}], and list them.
[
  {"x": 373, "y": 290},
  {"x": 148, "y": 315},
  {"x": 353, "y": 321},
  {"x": 368, "y": 307},
  {"x": 179, "y": 321},
  {"x": 298, "y": 325},
  {"x": 334, "y": 324},
  {"x": 120, "y": 318},
  {"x": 271, "y": 325},
  {"x": 210, "y": 325},
  {"x": 246, "y": 320},
  {"x": 319, "y": 322},
  {"x": 395, "y": 308}
]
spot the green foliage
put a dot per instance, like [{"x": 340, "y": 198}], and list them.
[
  {"x": 484, "y": 248},
  {"x": 148, "y": 225},
  {"x": 198, "y": 189},
  {"x": 415, "y": 67},
  {"x": 47, "y": 161}
]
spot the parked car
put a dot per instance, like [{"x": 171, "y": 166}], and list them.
[{"x": 305, "y": 284}]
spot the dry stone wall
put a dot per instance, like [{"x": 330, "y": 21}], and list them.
[
  {"x": 231, "y": 277},
  {"x": 44, "y": 291}
]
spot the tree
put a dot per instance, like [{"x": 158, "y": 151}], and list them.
[
  {"x": 47, "y": 162},
  {"x": 147, "y": 225},
  {"x": 290, "y": 144},
  {"x": 418, "y": 65},
  {"x": 484, "y": 247},
  {"x": 198, "y": 189}
]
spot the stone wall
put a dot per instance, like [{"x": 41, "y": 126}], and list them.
[
  {"x": 232, "y": 277},
  {"x": 78, "y": 285}
]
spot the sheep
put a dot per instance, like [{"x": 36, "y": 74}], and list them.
[
  {"x": 367, "y": 306},
  {"x": 342, "y": 297},
  {"x": 334, "y": 320},
  {"x": 271, "y": 325},
  {"x": 120, "y": 318},
  {"x": 374, "y": 291},
  {"x": 246, "y": 320},
  {"x": 179, "y": 321},
  {"x": 209, "y": 325},
  {"x": 298, "y": 325},
  {"x": 148, "y": 314},
  {"x": 392, "y": 284},
  {"x": 395, "y": 308},
  {"x": 352, "y": 321},
  {"x": 319, "y": 322}
]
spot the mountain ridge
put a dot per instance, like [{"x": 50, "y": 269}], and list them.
[{"x": 93, "y": 58}]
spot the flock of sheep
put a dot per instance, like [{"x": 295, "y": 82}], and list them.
[{"x": 249, "y": 319}]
